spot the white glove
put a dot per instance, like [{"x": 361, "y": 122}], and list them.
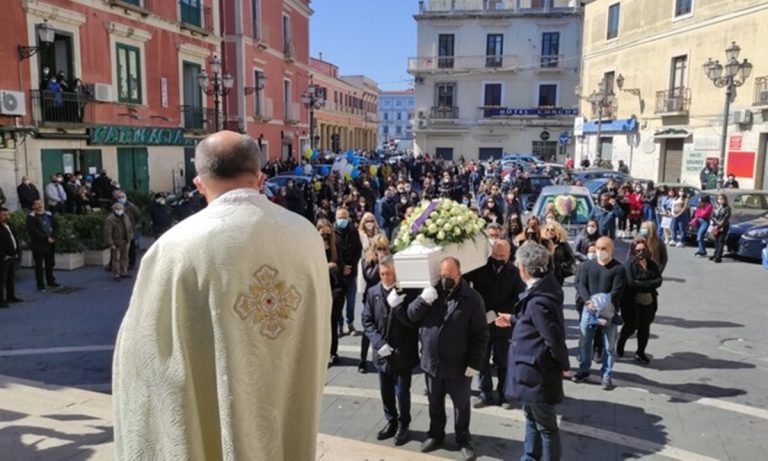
[
  {"x": 385, "y": 351},
  {"x": 471, "y": 372},
  {"x": 491, "y": 316},
  {"x": 429, "y": 295},
  {"x": 395, "y": 299}
]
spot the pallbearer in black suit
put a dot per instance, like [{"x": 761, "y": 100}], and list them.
[
  {"x": 454, "y": 336},
  {"x": 10, "y": 252},
  {"x": 395, "y": 350}
]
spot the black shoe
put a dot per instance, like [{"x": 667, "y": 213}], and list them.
[
  {"x": 362, "y": 368},
  {"x": 431, "y": 444},
  {"x": 711, "y": 258},
  {"x": 718, "y": 260},
  {"x": 620, "y": 347},
  {"x": 53, "y": 285},
  {"x": 642, "y": 358},
  {"x": 467, "y": 451},
  {"x": 15, "y": 300},
  {"x": 335, "y": 360},
  {"x": 41, "y": 289},
  {"x": 4, "y": 305},
  {"x": 388, "y": 432},
  {"x": 403, "y": 435},
  {"x": 580, "y": 377},
  {"x": 125, "y": 276}
]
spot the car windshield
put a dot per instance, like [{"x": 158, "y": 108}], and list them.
[
  {"x": 750, "y": 204},
  {"x": 537, "y": 184},
  {"x": 594, "y": 185},
  {"x": 567, "y": 213}
]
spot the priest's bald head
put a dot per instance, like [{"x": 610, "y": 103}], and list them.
[{"x": 225, "y": 161}]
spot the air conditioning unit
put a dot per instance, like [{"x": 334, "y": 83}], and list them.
[
  {"x": 13, "y": 103},
  {"x": 422, "y": 124},
  {"x": 742, "y": 117},
  {"x": 421, "y": 115},
  {"x": 764, "y": 97},
  {"x": 101, "y": 92}
]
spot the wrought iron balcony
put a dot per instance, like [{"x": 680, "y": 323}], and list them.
[
  {"x": 58, "y": 108},
  {"x": 674, "y": 101},
  {"x": 198, "y": 119},
  {"x": 444, "y": 113},
  {"x": 292, "y": 114},
  {"x": 761, "y": 91},
  {"x": 436, "y": 64},
  {"x": 265, "y": 110},
  {"x": 553, "y": 62},
  {"x": 608, "y": 113},
  {"x": 289, "y": 51}
]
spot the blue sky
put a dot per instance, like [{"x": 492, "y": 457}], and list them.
[{"x": 369, "y": 37}]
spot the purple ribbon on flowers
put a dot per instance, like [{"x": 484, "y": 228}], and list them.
[{"x": 416, "y": 226}]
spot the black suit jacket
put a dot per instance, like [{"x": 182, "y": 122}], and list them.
[
  {"x": 6, "y": 243},
  {"x": 38, "y": 238},
  {"x": 385, "y": 325},
  {"x": 500, "y": 291},
  {"x": 27, "y": 195}
]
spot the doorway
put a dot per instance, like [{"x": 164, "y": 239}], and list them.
[
  {"x": 673, "y": 160},
  {"x": 189, "y": 166},
  {"x": 133, "y": 169}
]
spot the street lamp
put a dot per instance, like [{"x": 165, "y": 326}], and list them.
[
  {"x": 45, "y": 34},
  {"x": 312, "y": 99},
  {"x": 603, "y": 97},
  {"x": 736, "y": 73},
  {"x": 219, "y": 86}
]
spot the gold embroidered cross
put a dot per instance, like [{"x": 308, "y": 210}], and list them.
[{"x": 269, "y": 302}]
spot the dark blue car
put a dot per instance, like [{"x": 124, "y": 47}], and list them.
[{"x": 752, "y": 238}]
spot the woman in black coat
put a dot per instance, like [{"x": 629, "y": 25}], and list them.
[
  {"x": 721, "y": 222},
  {"x": 563, "y": 261},
  {"x": 378, "y": 249},
  {"x": 640, "y": 300},
  {"x": 338, "y": 289}
]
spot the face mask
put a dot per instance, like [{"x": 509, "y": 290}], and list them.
[
  {"x": 161, "y": 201},
  {"x": 491, "y": 241},
  {"x": 465, "y": 202},
  {"x": 119, "y": 212},
  {"x": 603, "y": 256},
  {"x": 407, "y": 188},
  {"x": 122, "y": 200},
  {"x": 497, "y": 263},
  {"x": 369, "y": 226},
  {"x": 550, "y": 219},
  {"x": 27, "y": 183},
  {"x": 641, "y": 254},
  {"x": 591, "y": 256},
  {"x": 644, "y": 232},
  {"x": 447, "y": 284},
  {"x": 530, "y": 236},
  {"x": 326, "y": 236},
  {"x": 342, "y": 223},
  {"x": 591, "y": 230},
  {"x": 403, "y": 201},
  {"x": 721, "y": 202}
]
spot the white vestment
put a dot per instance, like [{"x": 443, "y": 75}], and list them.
[{"x": 223, "y": 352}]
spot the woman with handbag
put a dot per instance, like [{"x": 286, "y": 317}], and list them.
[
  {"x": 563, "y": 261},
  {"x": 721, "y": 221},
  {"x": 640, "y": 300}
]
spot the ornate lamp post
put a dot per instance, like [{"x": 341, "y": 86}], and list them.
[
  {"x": 736, "y": 73},
  {"x": 220, "y": 85},
  {"x": 312, "y": 99},
  {"x": 602, "y": 98},
  {"x": 45, "y": 34}
]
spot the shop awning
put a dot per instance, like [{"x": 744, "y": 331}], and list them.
[{"x": 671, "y": 133}]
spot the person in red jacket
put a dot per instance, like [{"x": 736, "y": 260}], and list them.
[{"x": 635, "y": 209}]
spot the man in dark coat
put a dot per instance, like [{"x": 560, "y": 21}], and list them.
[
  {"x": 606, "y": 214},
  {"x": 454, "y": 336},
  {"x": 43, "y": 230},
  {"x": 10, "y": 252},
  {"x": 28, "y": 193},
  {"x": 538, "y": 355},
  {"x": 349, "y": 249},
  {"x": 498, "y": 282},
  {"x": 395, "y": 350}
]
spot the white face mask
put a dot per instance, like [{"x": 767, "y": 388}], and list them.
[
  {"x": 603, "y": 256},
  {"x": 591, "y": 256},
  {"x": 119, "y": 212},
  {"x": 591, "y": 230},
  {"x": 369, "y": 226}
]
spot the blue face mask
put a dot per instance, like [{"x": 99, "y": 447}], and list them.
[
  {"x": 342, "y": 223},
  {"x": 644, "y": 232},
  {"x": 122, "y": 200}
]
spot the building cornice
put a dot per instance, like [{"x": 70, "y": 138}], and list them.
[
  {"x": 121, "y": 30},
  {"x": 53, "y": 13},
  {"x": 194, "y": 50}
]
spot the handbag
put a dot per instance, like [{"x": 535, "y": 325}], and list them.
[
  {"x": 666, "y": 222},
  {"x": 715, "y": 231},
  {"x": 644, "y": 298}
]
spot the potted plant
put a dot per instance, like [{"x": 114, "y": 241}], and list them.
[
  {"x": 70, "y": 251},
  {"x": 90, "y": 232},
  {"x": 19, "y": 222}
]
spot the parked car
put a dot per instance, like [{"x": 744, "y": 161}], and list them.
[
  {"x": 746, "y": 205},
  {"x": 598, "y": 186},
  {"x": 275, "y": 183},
  {"x": 753, "y": 239},
  {"x": 595, "y": 173},
  {"x": 538, "y": 182},
  {"x": 691, "y": 191},
  {"x": 528, "y": 158},
  {"x": 581, "y": 211}
]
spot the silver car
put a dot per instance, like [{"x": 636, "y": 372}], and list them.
[{"x": 574, "y": 222}]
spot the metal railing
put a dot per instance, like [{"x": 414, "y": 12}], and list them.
[
  {"x": 523, "y": 6},
  {"x": 289, "y": 50},
  {"x": 550, "y": 61},
  {"x": 761, "y": 91},
  {"x": 196, "y": 118},
  {"x": 673, "y": 100},
  {"x": 444, "y": 113},
  {"x": 436, "y": 63},
  {"x": 265, "y": 110},
  {"x": 609, "y": 111},
  {"x": 57, "y": 107},
  {"x": 292, "y": 113}
]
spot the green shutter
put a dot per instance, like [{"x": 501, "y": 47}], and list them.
[{"x": 128, "y": 65}]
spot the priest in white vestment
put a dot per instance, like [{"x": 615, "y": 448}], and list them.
[{"x": 222, "y": 354}]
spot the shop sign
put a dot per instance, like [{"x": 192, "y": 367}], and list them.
[
  {"x": 534, "y": 112},
  {"x": 693, "y": 162},
  {"x": 113, "y": 135}
]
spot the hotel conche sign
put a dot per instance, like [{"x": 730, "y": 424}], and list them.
[
  {"x": 533, "y": 112},
  {"x": 114, "y": 135}
]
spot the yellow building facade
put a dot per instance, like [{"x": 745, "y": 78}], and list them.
[{"x": 661, "y": 113}]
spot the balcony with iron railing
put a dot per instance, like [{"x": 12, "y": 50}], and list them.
[
  {"x": 436, "y": 64},
  {"x": 550, "y": 62},
  {"x": 198, "y": 119},
  {"x": 289, "y": 51},
  {"x": 265, "y": 110},
  {"x": 292, "y": 114},
  {"x": 761, "y": 91},
  {"x": 143, "y": 7},
  {"x": 673, "y": 101},
  {"x": 609, "y": 110},
  {"x": 195, "y": 18},
  {"x": 496, "y": 6},
  {"x": 444, "y": 113},
  {"x": 60, "y": 109}
]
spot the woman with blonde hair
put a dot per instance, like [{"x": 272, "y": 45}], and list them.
[
  {"x": 368, "y": 229},
  {"x": 656, "y": 246},
  {"x": 378, "y": 249},
  {"x": 325, "y": 228},
  {"x": 563, "y": 260}
]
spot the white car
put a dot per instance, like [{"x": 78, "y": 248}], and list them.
[{"x": 576, "y": 221}]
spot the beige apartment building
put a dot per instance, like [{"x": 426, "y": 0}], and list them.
[
  {"x": 496, "y": 76},
  {"x": 661, "y": 113}
]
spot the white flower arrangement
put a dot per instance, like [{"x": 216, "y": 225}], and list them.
[{"x": 440, "y": 222}]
